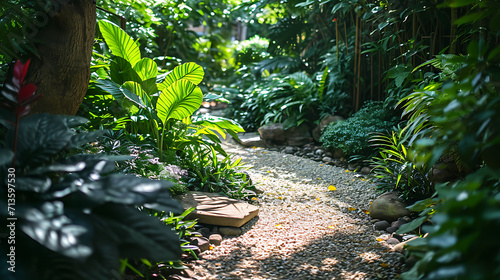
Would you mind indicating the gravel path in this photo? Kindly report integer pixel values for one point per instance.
(312, 225)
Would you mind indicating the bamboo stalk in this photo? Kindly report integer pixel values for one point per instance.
(358, 97)
(371, 68)
(414, 35)
(355, 63)
(337, 37)
(379, 74)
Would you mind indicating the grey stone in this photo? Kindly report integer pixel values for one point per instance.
(329, 154)
(319, 152)
(310, 155)
(374, 221)
(325, 121)
(308, 149)
(230, 231)
(249, 139)
(391, 229)
(298, 141)
(289, 150)
(327, 159)
(201, 242)
(298, 135)
(215, 239)
(204, 231)
(388, 207)
(392, 241)
(381, 225)
(365, 170)
(338, 153)
(272, 133)
(398, 223)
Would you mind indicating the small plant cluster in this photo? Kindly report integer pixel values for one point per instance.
(352, 135)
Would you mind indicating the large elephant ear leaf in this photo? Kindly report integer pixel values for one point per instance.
(120, 42)
(136, 94)
(179, 100)
(189, 71)
(146, 68)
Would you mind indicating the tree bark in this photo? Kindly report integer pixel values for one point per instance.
(62, 71)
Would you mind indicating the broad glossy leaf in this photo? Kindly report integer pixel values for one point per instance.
(130, 190)
(120, 42)
(40, 137)
(138, 94)
(189, 71)
(139, 235)
(146, 68)
(121, 71)
(411, 225)
(179, 100)
(50, 227)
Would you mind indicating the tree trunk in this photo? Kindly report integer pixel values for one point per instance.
(62, 72)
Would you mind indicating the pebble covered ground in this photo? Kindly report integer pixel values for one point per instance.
(312, 224)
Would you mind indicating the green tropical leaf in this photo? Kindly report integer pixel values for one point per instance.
(146, 68)
(120, 42)
(135, 88)
(189, 71)
(179, 100)
(121, 71)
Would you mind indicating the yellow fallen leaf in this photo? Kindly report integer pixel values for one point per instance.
(280, 197)
(254, 198)
(384, 265)
(317, 198)
(351, 208)
(347, 171)
(279, 226)
(331, 227)
(268, 171)
(321, 165)
(253, 147)
(380, 239)
(331, 188)
(211, 247)
(319, 178)
(366, 212)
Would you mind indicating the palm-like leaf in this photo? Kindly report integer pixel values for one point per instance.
(120, 42)
(179, 100)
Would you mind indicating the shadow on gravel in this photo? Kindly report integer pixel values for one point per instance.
(334, 256)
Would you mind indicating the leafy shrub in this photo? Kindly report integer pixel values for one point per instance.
(352, 135)
(290, 99)
(396, 169)
(73, 217)
(465, 113)
(462, 242)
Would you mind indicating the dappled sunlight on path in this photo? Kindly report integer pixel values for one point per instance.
(306, 229)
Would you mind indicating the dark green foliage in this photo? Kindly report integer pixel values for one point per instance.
(352, 135)
(462, 242)
(397, 170)
(70, 198)
(72, 218)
